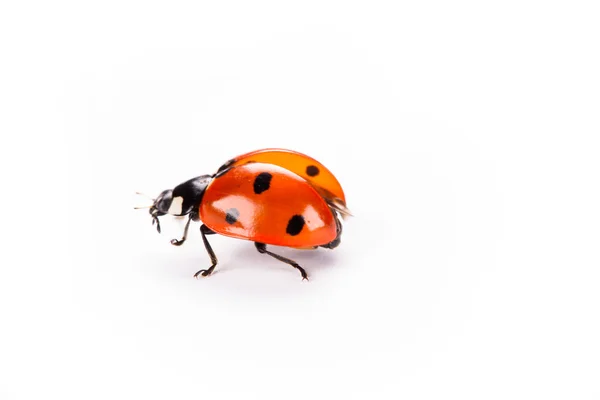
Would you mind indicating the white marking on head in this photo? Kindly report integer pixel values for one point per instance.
(176, 206)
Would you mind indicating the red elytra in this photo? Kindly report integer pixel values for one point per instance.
(268, 204)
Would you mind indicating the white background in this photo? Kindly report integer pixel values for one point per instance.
(464, 134)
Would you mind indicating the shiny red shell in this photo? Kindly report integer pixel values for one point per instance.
(269, 204)
(305, 166)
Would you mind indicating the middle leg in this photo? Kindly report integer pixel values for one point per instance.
(205, 230)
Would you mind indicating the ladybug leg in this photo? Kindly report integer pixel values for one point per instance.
(262, 248)
(335, 242)
(179, 242)
(204, 230)
(193, 216)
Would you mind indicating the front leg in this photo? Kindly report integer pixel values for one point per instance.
(179, 242)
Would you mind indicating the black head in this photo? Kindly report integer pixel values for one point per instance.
(182, 200)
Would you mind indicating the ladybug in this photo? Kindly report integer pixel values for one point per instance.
(269, 196)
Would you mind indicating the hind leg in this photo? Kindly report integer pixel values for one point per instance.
(335, 242)
(262, 248)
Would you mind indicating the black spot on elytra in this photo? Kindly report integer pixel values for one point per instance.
(262, 182)
(232, 216)
(312, 170)
(295, 225)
